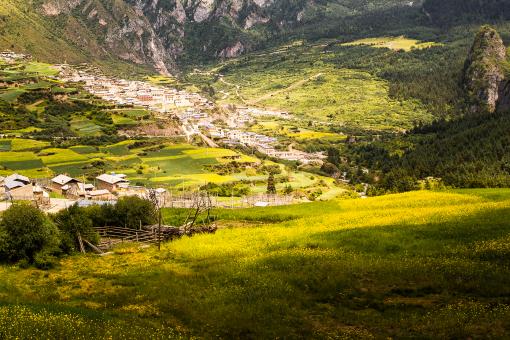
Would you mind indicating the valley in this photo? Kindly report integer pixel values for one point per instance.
(334, 169)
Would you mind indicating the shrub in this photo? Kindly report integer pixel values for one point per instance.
(26, 233)
(133, 210)
(71, 222)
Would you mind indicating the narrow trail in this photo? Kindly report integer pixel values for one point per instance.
(238, 87)
(290, 88)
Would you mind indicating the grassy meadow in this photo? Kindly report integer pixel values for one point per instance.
(393, 43)
(420, 264)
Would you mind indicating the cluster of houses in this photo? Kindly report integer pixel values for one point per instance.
(264, 144)
(293, 155)
(137, 93)
(11, 57)
(107, 188)
(191, 110)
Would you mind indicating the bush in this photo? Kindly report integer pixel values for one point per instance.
(131, 211)
(26, 233)
(71, 222)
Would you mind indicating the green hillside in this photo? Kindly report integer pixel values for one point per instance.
(422, 264)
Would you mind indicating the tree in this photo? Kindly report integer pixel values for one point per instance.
(74, 223)
(25, 233)
(271, 187)
(334, 156)
(132, 211)
(329, 168)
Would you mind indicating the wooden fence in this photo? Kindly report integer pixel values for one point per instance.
(111, 236)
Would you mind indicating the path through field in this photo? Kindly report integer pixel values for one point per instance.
(290, 88)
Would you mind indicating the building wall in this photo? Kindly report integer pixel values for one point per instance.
(23, 193)
(103, 185)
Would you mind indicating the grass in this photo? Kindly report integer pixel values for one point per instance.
(19, 144)
(393, 43)
(415, 265)
(42, 69)
(84, 149)
(55, 156)
(11, 94)
(5, 145)
(85, 127)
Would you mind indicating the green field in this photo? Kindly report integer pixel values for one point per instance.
(85, 127)
(414, 265)
(164, 164)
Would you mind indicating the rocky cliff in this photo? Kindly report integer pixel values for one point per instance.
(158, 32)
(164, 33)
(484, 72)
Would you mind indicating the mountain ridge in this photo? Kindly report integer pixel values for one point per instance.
(163, 34)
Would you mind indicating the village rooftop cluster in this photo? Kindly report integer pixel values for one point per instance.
(191, 109)
(62, 191)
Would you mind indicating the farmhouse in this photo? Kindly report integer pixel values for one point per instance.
(63, 184)
(17, 187)
(111, 182)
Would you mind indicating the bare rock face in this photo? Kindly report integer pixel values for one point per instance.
(483, 71)
(156, 32)
(57, 7)
(232, 51)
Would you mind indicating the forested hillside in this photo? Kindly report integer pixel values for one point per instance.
(470, 152)
(469, 147)
(451, 12)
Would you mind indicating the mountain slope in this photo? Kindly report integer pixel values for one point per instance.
(162, 33)
(451, 12)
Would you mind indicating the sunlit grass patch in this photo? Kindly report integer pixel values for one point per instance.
(56, 156)
(18, 144)
(393, 43)
(41, 68)
(320, 92)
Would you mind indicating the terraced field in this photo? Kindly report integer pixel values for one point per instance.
(164, 164)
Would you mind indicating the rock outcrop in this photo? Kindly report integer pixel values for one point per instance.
(158, 32)
(166, 33)
(484, 72)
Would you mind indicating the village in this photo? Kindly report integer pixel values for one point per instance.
(62, 191)
(193, 111)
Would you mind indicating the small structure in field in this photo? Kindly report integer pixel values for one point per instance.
(101, 195)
